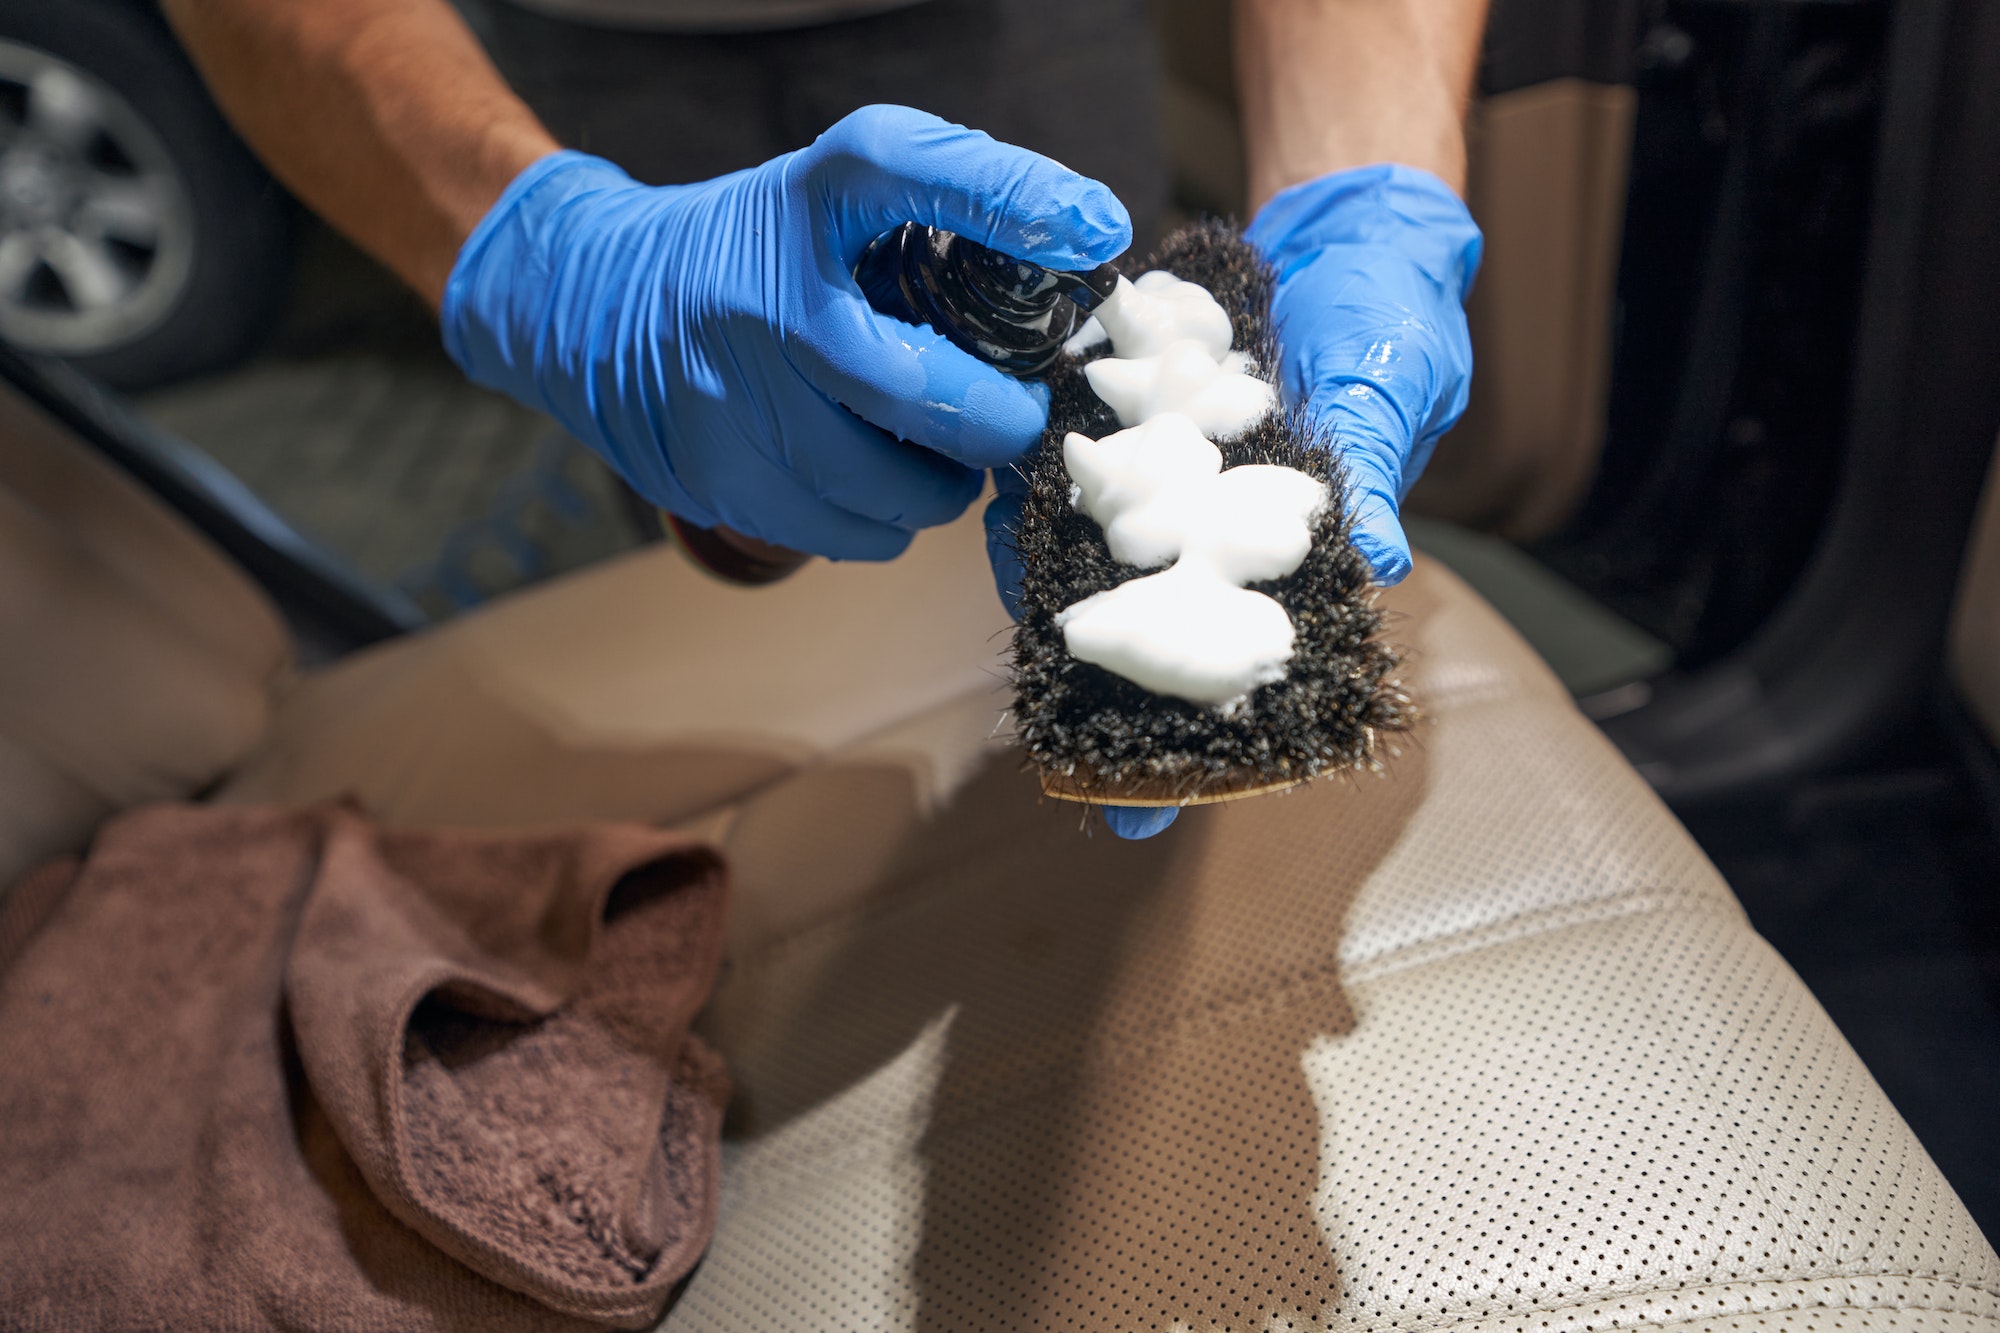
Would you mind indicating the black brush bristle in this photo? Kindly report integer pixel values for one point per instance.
(1097, 734)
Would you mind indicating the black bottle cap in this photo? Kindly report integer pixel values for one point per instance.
(1010, 313)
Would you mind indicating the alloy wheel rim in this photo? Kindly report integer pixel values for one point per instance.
(96, 228)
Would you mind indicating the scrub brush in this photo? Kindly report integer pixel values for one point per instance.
(1099, 738)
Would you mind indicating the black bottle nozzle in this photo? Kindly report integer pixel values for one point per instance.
(1011, 314)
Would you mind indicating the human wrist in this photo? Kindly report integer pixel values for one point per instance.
(1338, 84)
(503, 153)
(1431, 142)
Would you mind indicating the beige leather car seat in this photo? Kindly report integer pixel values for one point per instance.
(1481, 1042)
(136, 664)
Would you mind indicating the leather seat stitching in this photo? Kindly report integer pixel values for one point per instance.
(1525, 925)
(1641, 1293)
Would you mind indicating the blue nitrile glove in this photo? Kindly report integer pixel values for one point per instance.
(1373, 267)
(708, 341)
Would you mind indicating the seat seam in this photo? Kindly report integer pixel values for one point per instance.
(891, 901)
(1028, 1080)
(1276, 997)
(1525, 926)
(1815, 1305)
(1506, 930)
(1643, 1293)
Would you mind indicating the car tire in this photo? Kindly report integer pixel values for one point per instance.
(223, 233)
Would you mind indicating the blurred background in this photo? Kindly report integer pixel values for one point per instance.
(1738, 338)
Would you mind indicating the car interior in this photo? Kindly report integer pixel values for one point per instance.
(1655, 979)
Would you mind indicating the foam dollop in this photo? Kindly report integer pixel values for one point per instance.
(1181, 634)
(1170, 353)
(1143, 318)
(1162, 496)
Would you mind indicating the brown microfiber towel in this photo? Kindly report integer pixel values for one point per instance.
(285, 1069)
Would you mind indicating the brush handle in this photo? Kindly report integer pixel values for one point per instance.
(1005, 311)
(733, 557)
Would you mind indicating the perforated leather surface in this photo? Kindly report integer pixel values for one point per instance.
(1481, 1043)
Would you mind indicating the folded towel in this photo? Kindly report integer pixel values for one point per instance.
(286, 1069)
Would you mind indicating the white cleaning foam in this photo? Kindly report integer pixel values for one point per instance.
(1139, 483)
(1162, 496)
(1142, 318)
(1223, 400)
(1182, 633)
(1170, 353)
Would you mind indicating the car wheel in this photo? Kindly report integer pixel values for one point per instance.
(138, 236)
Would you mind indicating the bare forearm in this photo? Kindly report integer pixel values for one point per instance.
(1331, 84)
(384, 116)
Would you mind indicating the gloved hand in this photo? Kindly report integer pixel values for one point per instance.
(708, 341)
(1373, 266)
